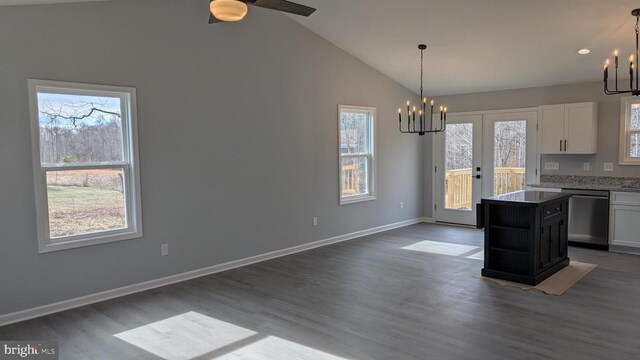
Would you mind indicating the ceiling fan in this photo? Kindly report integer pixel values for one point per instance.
(235, 10)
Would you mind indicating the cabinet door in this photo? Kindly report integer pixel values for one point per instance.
(625, 225)
(580, 128)
(551, 128)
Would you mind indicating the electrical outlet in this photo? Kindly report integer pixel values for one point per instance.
(608, 166)
(551, 166)
(401, 205)
(164, 249)
(315, 221)
(586, 166)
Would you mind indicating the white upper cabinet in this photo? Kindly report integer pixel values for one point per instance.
(551, 120)
(568, 128)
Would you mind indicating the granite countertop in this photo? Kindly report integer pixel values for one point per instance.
(620, 184)
(532, 197)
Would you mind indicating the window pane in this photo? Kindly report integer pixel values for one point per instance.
(85, 201)
(635, 117)
(510, 156)
(459, 159)
(79, 129)
(634, 145)
(354, 133)
(355, 176)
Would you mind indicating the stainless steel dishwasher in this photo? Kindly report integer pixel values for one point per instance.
(589, 218)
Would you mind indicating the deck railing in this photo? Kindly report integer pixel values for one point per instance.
(459, 185)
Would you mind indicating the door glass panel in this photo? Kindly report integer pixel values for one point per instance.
(458, 165)
(510, 156)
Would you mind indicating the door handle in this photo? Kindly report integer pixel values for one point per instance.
(560, 145)
(478, 176)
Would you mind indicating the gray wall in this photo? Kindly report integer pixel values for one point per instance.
(238, 139)
(608, 127)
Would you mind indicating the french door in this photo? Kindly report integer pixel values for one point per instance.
(481, 156)
(458, 169)
(509, 152)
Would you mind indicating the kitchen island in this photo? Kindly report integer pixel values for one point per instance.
(526, 235)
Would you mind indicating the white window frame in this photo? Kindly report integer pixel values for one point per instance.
(129, 166)
(625, 133)
(372, 114)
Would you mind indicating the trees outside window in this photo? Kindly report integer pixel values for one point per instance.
(356, 144)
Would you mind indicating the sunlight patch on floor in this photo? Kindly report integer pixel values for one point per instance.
(477, 256)
(273, 347)
(185, 336)
(442, 248)
(193, 336)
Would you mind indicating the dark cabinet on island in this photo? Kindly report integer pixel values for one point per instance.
(525, 236)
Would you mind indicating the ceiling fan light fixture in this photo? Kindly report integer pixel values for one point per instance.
(228, 10)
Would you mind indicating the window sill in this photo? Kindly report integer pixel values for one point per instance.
(58, 245)
(356, 199)
(628, 162)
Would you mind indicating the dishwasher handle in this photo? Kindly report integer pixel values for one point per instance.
(583, 196)
(587, 193)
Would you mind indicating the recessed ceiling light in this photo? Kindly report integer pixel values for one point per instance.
(583, 51)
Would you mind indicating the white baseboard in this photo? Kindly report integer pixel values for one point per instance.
(35, 312)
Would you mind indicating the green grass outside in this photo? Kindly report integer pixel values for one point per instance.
(78, 210)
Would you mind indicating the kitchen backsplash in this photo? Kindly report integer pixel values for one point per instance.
(590, 180)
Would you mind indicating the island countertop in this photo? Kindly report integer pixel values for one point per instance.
(528, 197)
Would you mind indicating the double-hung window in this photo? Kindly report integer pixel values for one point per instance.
(357, 156)
(85, 159)
(630, 131)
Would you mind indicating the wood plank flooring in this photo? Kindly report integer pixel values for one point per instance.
(363, 299)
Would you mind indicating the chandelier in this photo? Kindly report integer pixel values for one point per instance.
(633, 90)
(422, 113)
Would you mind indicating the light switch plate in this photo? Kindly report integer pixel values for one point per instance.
(608, 166)
(586, 166)
(551, 166)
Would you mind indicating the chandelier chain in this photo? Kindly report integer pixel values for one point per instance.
(422, 70)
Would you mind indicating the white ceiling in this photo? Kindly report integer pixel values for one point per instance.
(479, 45)
(474, 45)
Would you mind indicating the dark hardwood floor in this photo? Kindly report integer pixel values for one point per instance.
(363, 299)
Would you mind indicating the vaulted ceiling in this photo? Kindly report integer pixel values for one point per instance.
(479, 45)
(474, 45)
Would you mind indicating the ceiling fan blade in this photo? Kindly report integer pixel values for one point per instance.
(213, 19)
(284, 6)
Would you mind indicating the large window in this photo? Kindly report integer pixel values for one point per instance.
(357, 162)
(630, 131)
(85, 164)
